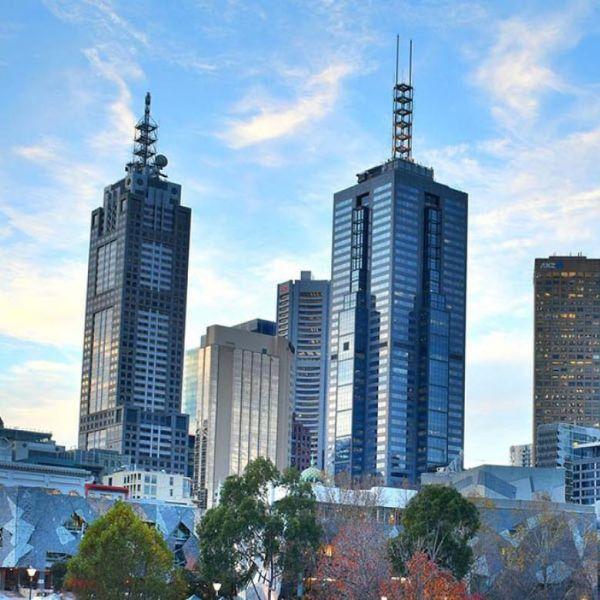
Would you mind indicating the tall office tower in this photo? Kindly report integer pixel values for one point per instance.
(566, 381)
(303, 318)
(135, 315)
(243, 405)
(520, 455)
(397, 337)
(191, 383)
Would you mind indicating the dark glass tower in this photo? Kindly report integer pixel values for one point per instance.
(566, 384)
(397, 350)
(135, 315)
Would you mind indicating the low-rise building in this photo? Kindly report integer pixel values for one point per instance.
(56, 479)
(39, 527)
(504, 482)
(555, 444)
(171, 488)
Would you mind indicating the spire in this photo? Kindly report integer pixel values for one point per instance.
(403, 111)
(144, 146)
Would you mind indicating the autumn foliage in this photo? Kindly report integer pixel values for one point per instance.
(425, 581)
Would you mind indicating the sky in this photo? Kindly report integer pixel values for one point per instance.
(265, 110)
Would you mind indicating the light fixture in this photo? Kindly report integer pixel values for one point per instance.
(216, 586)
(31, 572)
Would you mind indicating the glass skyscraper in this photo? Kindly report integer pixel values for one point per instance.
(135, 315)
(303, 318)
(397, 338)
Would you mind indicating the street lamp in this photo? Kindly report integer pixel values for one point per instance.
(31, 572)
(217, 587)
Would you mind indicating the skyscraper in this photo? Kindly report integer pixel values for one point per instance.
(243, 405)
(397, 338)
(303, 318)
(135, 314)
(566, 383)
(520, 455)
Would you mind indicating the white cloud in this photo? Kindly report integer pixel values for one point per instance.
(42, 301)
(315, 100)
(43, 395)
(518, 70)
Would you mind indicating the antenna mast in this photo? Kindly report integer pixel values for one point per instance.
(402, 111)
(144, 146)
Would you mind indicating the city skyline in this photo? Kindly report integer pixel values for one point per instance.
(489, 134)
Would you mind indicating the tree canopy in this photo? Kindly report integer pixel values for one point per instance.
(249, 535)
(122, 556)
(439, 522)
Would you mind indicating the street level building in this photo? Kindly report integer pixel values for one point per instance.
(566, 387)
(303, 318)
(243, 405)
(135, 315)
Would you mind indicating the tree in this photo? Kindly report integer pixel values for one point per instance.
(58, 571)
(439, 522)
(424, 580)
(121, 556)
(354, 565)
(250, 537)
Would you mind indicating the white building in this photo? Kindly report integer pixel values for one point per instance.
(170, 488)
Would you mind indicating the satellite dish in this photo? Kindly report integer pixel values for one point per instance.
(161, 161)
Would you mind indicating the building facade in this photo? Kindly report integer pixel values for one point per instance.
(135, 315)
(520, 455)
(566, 385)
(303, 318)
(152, 485)
(397, 338)
(243, 405)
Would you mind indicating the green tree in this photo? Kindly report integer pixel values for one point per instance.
(248, 536)
(121, 556)
(439, 522)
(59, 572)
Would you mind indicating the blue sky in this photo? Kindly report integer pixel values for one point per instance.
(266, 109)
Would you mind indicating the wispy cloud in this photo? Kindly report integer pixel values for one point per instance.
(518, 70)
(271, 119)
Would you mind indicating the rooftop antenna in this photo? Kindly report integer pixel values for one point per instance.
(144, 145)
(402, 111)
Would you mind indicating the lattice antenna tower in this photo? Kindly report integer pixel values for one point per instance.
(144, 145)
(403, 111)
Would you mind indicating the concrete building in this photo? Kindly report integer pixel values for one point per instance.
(40, 527)
(398, 284)
(192, 366)
(135, 315)
(35, 447)
(501, 481)
(520, 455)
(303, 318)
(58, 479)
(301, 452)
(556, 444)
(152, 485)
(566, 386)
(243, 405)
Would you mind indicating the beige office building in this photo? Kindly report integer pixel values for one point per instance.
(244, 405)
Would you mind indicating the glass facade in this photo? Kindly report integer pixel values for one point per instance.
(396, 382)
(303, 318)
(135, 322)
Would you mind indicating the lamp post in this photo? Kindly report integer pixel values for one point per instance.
(217, 587)
(31, 572)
